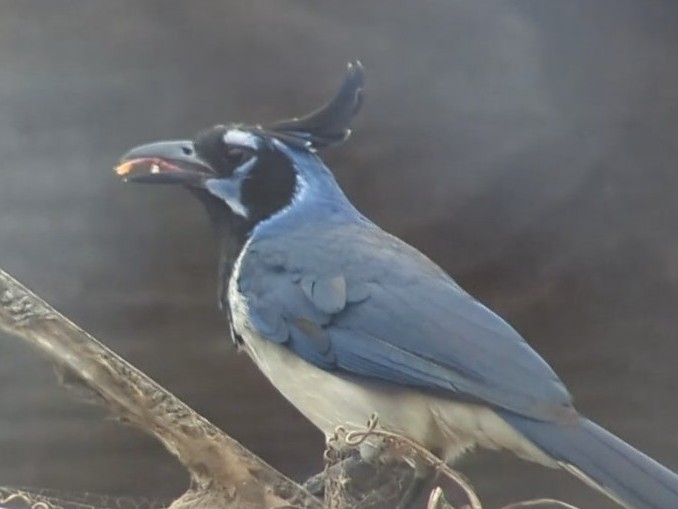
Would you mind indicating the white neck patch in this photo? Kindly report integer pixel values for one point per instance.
(241, 138)
(229, 189)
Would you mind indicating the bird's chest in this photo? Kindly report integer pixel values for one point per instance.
(326, 399)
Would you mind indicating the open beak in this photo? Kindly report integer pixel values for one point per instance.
(165, 162)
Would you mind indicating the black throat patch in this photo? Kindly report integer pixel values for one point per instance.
(268, 187)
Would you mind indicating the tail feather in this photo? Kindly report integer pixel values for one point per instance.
(596, 456)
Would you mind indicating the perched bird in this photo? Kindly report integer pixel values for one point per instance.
(347, 320)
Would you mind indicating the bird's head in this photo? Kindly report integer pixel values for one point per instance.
(249, 173)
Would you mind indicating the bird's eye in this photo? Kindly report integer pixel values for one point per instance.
(236, 156)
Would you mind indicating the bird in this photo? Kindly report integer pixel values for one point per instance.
(346, 320)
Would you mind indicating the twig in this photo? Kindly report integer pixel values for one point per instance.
(223, 473)
(28, 498)
(437, 500)
(550, 502)
(395, 445)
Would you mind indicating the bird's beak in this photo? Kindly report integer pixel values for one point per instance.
(165, 162)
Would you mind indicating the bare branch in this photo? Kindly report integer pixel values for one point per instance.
(541, 503)
(18, 498)
(220, 468)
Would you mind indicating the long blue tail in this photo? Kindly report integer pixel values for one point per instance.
(598, 457)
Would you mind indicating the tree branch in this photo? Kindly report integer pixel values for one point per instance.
(223, 473)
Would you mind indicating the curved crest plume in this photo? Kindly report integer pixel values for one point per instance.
(329, 124)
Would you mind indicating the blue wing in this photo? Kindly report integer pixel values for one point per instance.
(360, 301)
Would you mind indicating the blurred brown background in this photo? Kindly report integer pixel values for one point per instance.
(527, 146)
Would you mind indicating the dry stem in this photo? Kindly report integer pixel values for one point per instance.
(217, 464)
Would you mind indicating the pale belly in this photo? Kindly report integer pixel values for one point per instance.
(442, 425)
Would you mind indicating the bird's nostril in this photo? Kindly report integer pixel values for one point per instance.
(187, 150)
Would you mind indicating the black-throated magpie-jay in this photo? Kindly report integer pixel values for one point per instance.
(347, 320)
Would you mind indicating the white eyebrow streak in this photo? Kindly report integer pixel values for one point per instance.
(242, 138)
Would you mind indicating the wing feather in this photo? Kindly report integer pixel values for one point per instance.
(378, 308)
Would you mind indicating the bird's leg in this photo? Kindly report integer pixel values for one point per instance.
(374, 452)
(423, 475)
(315, 484)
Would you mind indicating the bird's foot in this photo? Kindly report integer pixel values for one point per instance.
(420, 481)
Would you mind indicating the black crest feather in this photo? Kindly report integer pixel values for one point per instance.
(329, 124)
